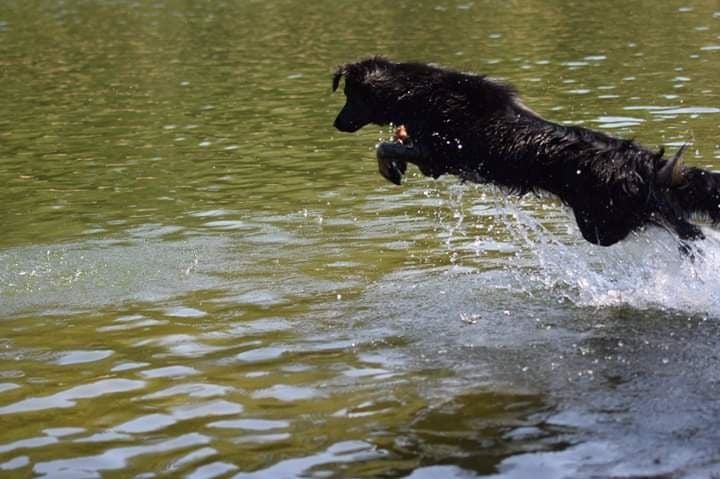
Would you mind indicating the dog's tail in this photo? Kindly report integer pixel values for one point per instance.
(697, 190)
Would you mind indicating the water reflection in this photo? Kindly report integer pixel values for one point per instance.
(67, 398)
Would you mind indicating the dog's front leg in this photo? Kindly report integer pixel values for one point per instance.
(393, 159)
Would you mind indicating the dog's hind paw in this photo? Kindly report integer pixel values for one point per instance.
(689, 231)
(691, 252)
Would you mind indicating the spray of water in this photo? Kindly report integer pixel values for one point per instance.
(646, 271)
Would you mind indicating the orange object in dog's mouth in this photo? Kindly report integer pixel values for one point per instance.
(401, 134)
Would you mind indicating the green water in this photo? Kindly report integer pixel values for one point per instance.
(200, 277)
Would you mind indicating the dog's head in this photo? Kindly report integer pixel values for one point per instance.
(366, 93)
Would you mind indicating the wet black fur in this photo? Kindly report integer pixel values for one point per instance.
(476, 128)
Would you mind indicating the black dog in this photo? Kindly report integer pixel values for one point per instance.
(476, 128)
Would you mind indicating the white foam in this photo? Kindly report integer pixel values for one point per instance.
(645, 271)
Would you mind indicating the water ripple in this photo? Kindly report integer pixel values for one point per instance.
(79, 357)
(114, 459)
(69, 397)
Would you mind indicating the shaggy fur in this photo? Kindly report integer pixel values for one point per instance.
(476, 128)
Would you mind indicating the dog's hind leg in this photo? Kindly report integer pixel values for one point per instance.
(700, 193)
(688, 231)
(669, 214)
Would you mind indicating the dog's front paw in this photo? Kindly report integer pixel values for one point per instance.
(391, 160)
(392, 169)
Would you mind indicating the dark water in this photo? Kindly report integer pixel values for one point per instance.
(200, 278)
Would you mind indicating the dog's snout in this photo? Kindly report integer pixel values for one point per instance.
(353, 116)
(342, 123)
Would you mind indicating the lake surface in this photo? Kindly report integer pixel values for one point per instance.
(200, 277)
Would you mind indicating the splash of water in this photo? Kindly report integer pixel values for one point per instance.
(646, 271)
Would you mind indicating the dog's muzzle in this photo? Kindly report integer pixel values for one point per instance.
(345, 125)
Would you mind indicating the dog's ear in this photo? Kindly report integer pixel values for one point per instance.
(339, 73)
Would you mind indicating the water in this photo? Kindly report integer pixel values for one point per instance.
(200, 278)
